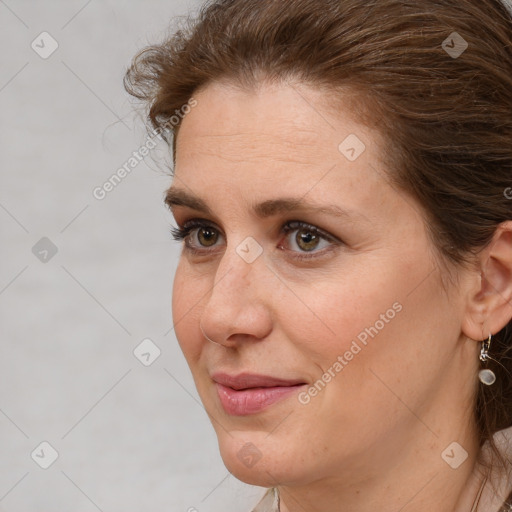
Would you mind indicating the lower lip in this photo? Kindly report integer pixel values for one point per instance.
(251, 401)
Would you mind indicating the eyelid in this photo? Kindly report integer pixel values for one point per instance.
(292, 225)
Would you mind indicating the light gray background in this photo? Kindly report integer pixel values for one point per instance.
(129, 437)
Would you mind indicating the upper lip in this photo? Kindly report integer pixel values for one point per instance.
(252, 380)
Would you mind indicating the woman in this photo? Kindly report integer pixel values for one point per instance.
(342, 185)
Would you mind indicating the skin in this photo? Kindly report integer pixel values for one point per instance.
(372, 439)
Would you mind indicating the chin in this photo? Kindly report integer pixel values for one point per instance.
(255, 461)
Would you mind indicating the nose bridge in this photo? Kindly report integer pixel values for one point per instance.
(232, 283)
(232, 278)
(235, 304)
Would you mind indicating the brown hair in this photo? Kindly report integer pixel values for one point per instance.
(447, 118)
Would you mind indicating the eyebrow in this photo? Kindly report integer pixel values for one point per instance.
(179, 197)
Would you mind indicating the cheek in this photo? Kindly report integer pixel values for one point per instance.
(386, 336)
(371, 321)
(186, 302)
(353, 308)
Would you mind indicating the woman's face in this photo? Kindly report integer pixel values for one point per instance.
(308, 267)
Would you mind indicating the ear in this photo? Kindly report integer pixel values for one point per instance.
(489, 306)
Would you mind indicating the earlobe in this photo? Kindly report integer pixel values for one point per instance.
(490, 304)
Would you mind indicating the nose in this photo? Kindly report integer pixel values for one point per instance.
(237, 309)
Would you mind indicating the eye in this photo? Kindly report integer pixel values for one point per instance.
(206, 234)
(308, 239)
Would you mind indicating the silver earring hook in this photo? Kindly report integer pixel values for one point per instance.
(484, 351)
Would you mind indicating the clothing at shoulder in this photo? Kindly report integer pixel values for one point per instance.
(497, 494)
(269, 502)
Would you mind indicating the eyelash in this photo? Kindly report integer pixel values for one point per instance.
(181, 233)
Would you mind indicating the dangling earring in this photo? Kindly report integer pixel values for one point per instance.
(486, 376)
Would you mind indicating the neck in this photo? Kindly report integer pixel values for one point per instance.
(410, 476)
(470, 500)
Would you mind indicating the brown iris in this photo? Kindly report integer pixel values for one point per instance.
(306, 239)
(207, 236)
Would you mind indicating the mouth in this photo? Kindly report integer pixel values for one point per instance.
(246, 394)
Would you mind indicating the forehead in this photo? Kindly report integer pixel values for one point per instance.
(279, 122)
(277, 141)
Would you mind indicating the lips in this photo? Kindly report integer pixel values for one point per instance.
(250, 380)
(250, 393)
